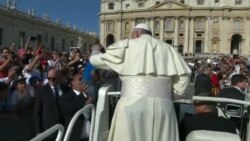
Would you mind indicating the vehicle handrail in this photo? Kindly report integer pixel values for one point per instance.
(220, 99)
(102, 111)
(49, 132)
(114, 93)
(76, 116)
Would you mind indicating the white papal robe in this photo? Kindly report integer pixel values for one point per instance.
(151, 71)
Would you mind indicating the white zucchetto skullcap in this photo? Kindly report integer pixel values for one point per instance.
(143, 26)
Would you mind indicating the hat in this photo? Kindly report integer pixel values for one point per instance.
(44, 62)
(34, 79)
(143, 26)
(19, 78)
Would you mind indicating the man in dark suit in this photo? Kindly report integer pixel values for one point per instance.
(71, 103)
(206, 119)
(202, 82)
(47, 110)
(238, 83)
(74, 100)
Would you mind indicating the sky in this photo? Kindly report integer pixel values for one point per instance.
(83, 13)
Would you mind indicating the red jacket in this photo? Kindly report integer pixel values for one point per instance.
(215, 84)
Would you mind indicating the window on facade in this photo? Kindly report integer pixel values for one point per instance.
(182, 1)
(157, 2)
(39, 38)
(157, 25)
(52, 43)
(126, 26)
(85, 48)
(238, 1)
(63, 44)
(200, 2)
(237, 24)
(141, 4)
(110, 26)
(1, 36)
(180, 49)
(199, 24)
(21, 39)
(182, 25)
(127, 6)
(169, 25)
(111, 6)
(216, 1)
(139, 20)
(169, 41)
(46, 37)
(199, 35)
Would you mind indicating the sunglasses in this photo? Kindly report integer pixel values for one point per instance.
(52, 78)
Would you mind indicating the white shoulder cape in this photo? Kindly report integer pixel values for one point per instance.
(142, 56)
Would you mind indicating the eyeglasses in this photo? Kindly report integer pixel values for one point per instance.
(52, 78)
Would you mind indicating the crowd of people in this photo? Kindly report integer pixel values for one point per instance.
(216, 74)
(55, 84)
(222, 76)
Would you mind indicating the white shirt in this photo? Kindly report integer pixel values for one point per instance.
(59, 90)
(33, 72)
(5, 79)
(77, 93)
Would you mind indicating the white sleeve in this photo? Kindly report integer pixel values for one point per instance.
(97, 61)
(4, 80)
(180, 84)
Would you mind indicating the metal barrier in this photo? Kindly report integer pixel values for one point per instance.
(102, 112)
(49, 132)
(76, 116)
(222, 100)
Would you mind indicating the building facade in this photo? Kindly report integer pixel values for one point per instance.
(17, 26)
(191, 26)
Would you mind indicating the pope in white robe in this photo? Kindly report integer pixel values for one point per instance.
(151, 72)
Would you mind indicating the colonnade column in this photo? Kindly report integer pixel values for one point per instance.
(186, 35)
(161, 28)
(191, 33)
(176, 32)
(151, 24)
(102, 33)
(118, 30)
(206, 47)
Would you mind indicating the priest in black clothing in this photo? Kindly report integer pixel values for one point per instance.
(206, 119)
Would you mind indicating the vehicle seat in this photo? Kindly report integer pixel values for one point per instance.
(205, 135)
